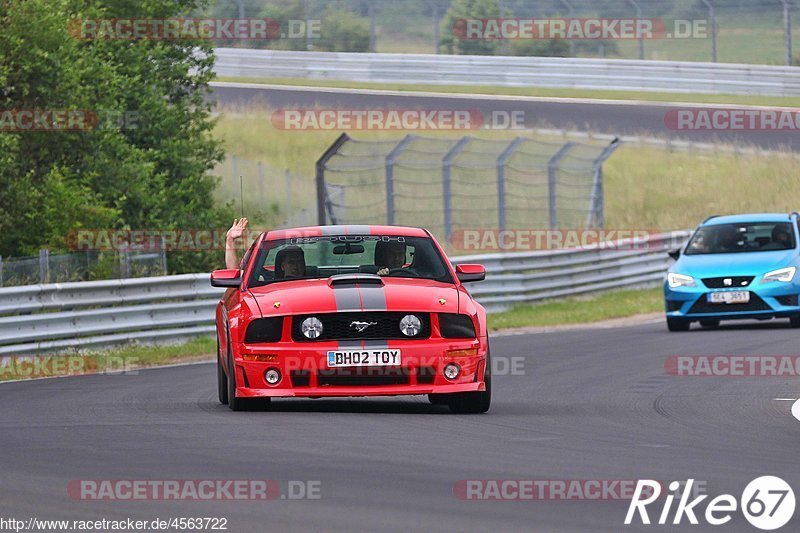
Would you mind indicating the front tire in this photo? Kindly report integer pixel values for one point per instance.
(677, 324)
(222, 380)
(236, 404)
(474, 402)
(794, 321)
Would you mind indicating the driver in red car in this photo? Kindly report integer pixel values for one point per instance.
(389, 255)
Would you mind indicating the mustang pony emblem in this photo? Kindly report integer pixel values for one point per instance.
(361, 326)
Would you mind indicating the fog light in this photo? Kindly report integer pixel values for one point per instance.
(452, 371)
(272, 376)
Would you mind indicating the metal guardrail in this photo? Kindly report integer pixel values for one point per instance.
(63, 317)
(575, 73)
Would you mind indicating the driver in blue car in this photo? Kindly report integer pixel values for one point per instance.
(389, 255)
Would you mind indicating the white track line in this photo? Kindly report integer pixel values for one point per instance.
(796, 410)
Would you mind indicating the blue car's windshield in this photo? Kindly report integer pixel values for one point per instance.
(742, 237)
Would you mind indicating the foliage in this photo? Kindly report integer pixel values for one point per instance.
(151, 171)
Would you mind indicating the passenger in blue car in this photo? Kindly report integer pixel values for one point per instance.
(781, 240)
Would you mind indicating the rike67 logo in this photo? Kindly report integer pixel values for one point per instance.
(767, 502)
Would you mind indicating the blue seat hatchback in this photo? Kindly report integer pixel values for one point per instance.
(735, 267)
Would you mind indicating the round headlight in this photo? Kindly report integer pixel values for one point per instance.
(311, 327)
(410, 325)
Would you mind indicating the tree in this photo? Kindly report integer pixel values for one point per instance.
(150, 172)
(452, 26)
(343, 31)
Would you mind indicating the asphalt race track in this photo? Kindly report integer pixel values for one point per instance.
(587, 404)
(580, 115)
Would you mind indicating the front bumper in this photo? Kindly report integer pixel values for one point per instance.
(305, 373)
(767, 300)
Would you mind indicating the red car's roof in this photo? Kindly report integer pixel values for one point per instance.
(348, 229)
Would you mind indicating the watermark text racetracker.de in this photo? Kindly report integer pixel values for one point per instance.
(732, 119)
(151, 240)
(544, 489)
(193, 489)
(57, 365)
(63, 120)
(579, 29)
(391, 119)
(501, 365)
(733, 366)
(519, 240)
(175, 29)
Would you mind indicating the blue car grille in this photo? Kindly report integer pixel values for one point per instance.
(735, 281)
(702, 305)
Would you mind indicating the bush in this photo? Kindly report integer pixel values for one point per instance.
(153, 173)
(342, 31)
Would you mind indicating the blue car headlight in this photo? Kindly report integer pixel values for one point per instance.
(679, 280)
(782, 274)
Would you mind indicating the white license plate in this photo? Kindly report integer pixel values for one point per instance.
(729, 297)
(363, 358)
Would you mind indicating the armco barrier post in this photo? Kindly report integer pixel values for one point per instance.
(502, 159)
(390, 159)
(322, 199)
(447, 195)
(552, 196)
(596, 203)
(44, 266)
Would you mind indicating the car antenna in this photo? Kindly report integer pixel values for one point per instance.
(241, 193)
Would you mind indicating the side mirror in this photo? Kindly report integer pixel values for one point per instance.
(675, 254)
(230, 277)
(470, 272)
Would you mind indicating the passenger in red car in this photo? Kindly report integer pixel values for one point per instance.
(234, 234)
(389, 255)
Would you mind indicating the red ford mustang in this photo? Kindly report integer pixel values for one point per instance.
(351, 311)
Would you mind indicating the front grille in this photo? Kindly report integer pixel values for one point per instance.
(336, 326)
(704, 306)
(789, 300)
(363, 376)
(719, 283)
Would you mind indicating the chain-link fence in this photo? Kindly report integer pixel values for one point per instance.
(266, 194)
(80, 266)
(447, 185)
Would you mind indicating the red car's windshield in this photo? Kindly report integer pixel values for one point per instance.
(325, 256)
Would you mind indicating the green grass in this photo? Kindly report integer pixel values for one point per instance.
(780, 101)
(580, 310)
(123, 359)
